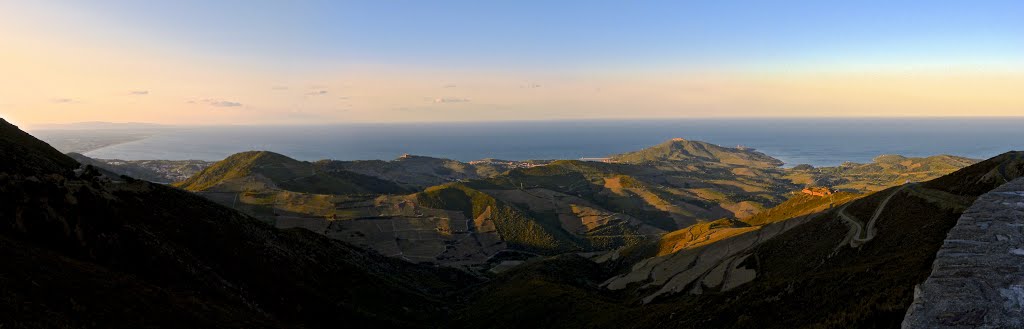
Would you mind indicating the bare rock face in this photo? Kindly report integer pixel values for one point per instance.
(977, 280)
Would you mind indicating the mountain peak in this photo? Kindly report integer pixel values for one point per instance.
(245, 164)
(683, 150)
(260, 157)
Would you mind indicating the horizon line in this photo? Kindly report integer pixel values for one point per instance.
(69, 125)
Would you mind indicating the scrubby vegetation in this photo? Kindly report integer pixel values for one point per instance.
(798, 205)
(517, 229)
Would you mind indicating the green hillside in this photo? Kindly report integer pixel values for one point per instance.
(516, 228)
(234, 172)
(883, 172)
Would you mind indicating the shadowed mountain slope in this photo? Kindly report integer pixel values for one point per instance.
(84, 250)
(22, 153)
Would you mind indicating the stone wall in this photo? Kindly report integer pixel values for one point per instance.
(977, 280)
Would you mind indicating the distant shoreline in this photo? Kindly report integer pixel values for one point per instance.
(818, 142)
(82, 141)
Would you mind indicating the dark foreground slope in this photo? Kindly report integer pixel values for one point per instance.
(825, 273)
(82, 251)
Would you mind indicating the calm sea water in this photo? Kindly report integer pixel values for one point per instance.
(818, 142)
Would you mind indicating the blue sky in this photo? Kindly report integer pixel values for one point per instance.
(553, 34)
(576, 45)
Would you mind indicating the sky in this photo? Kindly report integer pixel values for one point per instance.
(303, 62)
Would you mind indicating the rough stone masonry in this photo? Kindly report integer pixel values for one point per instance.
(977, 280)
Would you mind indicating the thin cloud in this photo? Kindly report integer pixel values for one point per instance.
(279, 88)
(317, 93)
(139, 92)
(451, 100)
(450, 86)
(216, 102)
(225, 104)
(62, 100)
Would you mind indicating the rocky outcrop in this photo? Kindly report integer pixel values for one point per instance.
(977, 280)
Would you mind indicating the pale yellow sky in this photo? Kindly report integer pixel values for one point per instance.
(53, 75)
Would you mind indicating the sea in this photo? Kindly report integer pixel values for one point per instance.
(818, 142)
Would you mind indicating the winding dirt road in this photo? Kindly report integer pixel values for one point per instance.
(863, 233)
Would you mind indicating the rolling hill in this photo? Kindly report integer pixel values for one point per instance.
(240, 171)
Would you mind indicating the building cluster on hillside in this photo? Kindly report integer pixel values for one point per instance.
(817, 191)
(172, 170)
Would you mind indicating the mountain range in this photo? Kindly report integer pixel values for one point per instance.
(493, 214)
(683, 234)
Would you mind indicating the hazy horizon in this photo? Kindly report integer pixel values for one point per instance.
(816, 141)
(115, 124)
(231, 62)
